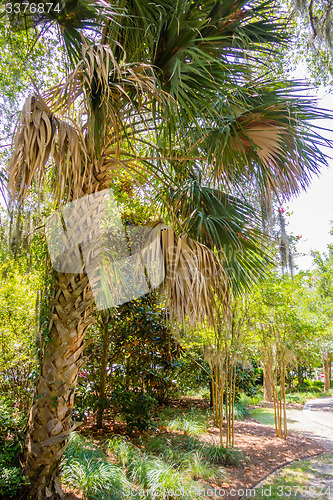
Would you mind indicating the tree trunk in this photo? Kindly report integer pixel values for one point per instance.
(102, 386)
(327, 371)
(49, 424)
(72, 305)
(268, 395)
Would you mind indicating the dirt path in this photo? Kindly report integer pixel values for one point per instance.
(312, 477)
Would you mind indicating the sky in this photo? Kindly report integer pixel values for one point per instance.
(312, 211)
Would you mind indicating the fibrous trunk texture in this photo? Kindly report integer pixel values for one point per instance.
(50, 423)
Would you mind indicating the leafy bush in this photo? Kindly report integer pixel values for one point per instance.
(306, 383)
(136, 407)
(253, 401)
(300, 397)
(247, 379)
(11, 445)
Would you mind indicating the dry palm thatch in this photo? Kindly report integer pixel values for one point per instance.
(106, 87)
(267, 141)
(196, 280)
(98, 88)
(42, 135)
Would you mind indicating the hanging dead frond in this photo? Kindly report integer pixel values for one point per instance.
(105, 88)
(195, 279)
(32, 145)
(41, 136)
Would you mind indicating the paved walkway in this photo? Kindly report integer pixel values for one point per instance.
(310, 478)
(315, 421)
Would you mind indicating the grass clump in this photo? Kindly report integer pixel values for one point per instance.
(241, 412)
(192, 423)
(146, 474)
(197, 468)
(219, 455)
(167, 466)
(120, 448)
(87, 469)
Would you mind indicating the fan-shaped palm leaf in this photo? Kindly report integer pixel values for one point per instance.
(226, 224)
(267, 138)
(75, 20)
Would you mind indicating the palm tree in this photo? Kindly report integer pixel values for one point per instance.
(165, 92)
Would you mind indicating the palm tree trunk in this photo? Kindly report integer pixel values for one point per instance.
(49, 424)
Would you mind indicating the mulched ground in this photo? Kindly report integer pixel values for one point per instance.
(264, 451)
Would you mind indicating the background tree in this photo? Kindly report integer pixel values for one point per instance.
(287, 334)
(310, 23)
(321, 281)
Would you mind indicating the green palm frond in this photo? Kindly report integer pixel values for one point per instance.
(75, 20)
(266, 137)
(225, 224)
(202, 54)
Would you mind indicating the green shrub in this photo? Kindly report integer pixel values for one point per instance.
(306, 383)
(11, 480)
(300, 397)
(247, 379)
(251, 401)
(11, 446)
(136, 407)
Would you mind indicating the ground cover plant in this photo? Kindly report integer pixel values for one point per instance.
(11, 445)
(174, 459)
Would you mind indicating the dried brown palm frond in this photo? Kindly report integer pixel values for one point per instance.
(105, 87)
(268, 141)
(195, 278)
(41, 136)
(266, 145)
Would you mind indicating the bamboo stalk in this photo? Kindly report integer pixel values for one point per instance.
(233, 406)
(221, 409)
(283, 390)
